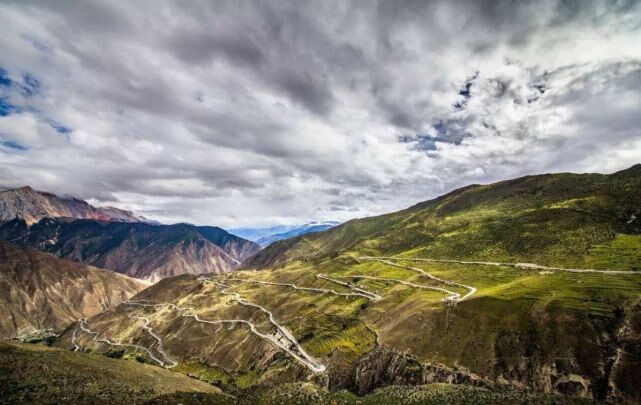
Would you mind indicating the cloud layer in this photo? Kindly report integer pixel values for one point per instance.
(258, 113)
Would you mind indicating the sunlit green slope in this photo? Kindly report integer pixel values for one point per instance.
(555, 219)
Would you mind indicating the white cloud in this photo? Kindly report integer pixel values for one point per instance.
(267, 112)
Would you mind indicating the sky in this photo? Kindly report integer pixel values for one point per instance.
(256, 113)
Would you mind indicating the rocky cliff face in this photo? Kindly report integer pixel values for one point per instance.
(40, 291)
(382, 367)
(149, 252)
(32, 206)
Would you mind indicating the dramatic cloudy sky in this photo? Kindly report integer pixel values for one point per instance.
(241, 113)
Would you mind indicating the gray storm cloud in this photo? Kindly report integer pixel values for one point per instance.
(258, 113)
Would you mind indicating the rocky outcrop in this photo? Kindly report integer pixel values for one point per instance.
(382, 367)
(624, 379)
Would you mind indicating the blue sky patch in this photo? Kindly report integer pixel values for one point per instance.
(30, 85)
(13, 145)
(39, 45)
(7, 108)
(61, 129)
(423, 142)
(4, 78)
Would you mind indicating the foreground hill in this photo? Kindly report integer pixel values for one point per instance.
(40, 291)
(530, 284)
(149, 252)
(40, 374)
(32, 206)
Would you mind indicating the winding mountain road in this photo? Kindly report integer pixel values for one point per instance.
(451, 295)
(523, 266)
(311, 289)
(82, 325)
(159, 347)
(364, 293)
(275, 340)
(74, 337)
(453, 298)
(291, 345)
(282, 338)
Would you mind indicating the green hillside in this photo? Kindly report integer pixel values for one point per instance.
(555, 219)
(40, 374)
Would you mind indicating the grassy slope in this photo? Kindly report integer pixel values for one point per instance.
(40, 374)
(519, 322)
(550, 219)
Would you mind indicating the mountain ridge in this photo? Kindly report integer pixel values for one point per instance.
(265, 236)
(606, 191)
(145, 251)
(32, 206)
(311, 227)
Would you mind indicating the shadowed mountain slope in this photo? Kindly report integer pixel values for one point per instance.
(140, 250)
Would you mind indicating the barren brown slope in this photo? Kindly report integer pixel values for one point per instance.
(144, 251)
(40, 291)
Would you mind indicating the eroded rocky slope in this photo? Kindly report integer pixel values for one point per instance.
(140, 250)
(40, 291)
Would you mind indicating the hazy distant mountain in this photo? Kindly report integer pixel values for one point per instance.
(32, 205)
(40, 291)
(254, 234)
(265, 236)
(140, 250)
(312, 227)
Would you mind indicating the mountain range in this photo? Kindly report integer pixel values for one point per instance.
(266, 236)
(530, 284)
(494, 292)
(115, 239)
(312, 227)
(140, 250)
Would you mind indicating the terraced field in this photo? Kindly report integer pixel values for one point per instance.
(332, 319)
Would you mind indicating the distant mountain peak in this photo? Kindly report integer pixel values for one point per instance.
(310, 227)
(32, 205)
